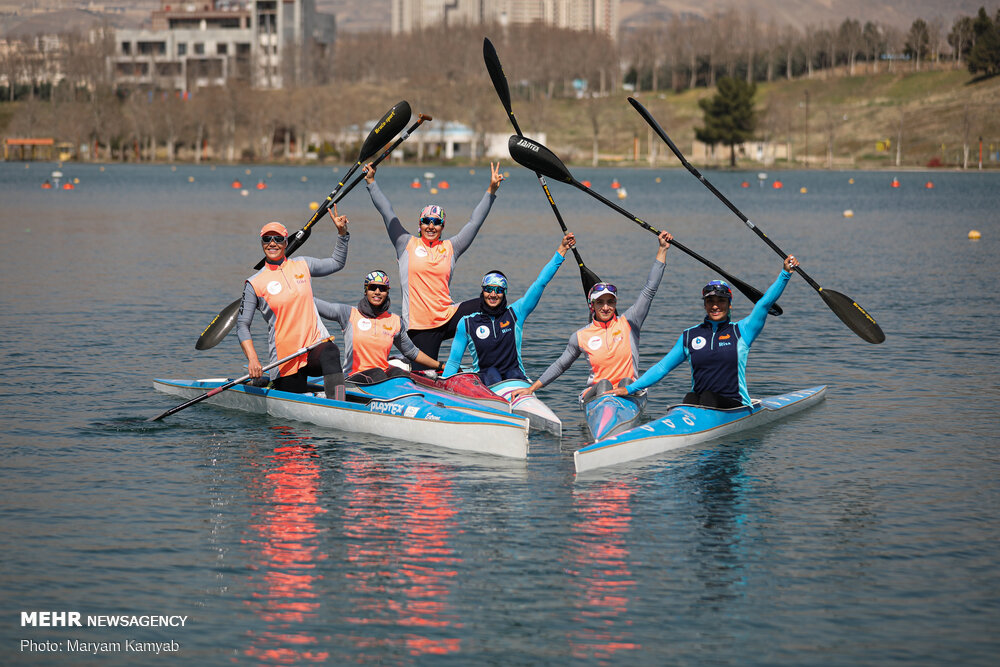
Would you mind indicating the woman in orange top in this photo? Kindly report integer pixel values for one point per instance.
(282, 292)
(426, 264)
(610, 341)
(370, 331)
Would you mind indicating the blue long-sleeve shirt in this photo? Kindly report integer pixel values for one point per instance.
(496, 341)
(717, 351)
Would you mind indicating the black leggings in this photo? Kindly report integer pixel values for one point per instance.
(322, 360)
(710, 399)
(429, 341)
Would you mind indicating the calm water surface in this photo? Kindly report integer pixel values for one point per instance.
(863, 531)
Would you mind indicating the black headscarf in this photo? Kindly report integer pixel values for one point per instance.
(493, 312)
(369, 310)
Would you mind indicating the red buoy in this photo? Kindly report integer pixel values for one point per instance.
(615, 184)
(237, 185)
(929, 185)
(261, 185)
(895, 183)
(777, 185)
(415, 184)
(585, 183)
(744, 184)
(444, 185)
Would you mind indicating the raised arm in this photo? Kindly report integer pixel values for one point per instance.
(334, 263)
(636, 314)
(527, 303)
(751, 325)
(397, 233)
(461, 241)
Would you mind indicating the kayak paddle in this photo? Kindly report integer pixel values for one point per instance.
(221, 388)
(493, 66)
(533, 155)
(847, 309)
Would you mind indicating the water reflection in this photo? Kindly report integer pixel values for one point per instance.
(401, 568)
(286, 535)
(599, 569)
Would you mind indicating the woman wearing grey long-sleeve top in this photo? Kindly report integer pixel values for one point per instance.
(426, 264)
(282, 292)
(610, 341)
(370, 330)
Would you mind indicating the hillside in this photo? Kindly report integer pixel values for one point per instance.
(939, 111)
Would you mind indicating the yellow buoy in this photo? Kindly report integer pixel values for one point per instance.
(472, 172)
(658, 179)
(313, 205)
(174, 168)
(851, 181)
(848, 213)
(190, 179)
(434, 191)
(76, 181)
(803, 190)
(247, 172)
(304, 179)
(974, 235)
(506, 174)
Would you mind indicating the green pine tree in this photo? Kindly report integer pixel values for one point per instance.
(729, 115)
(985, 54)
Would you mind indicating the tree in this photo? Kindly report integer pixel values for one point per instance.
(918, 41)
(729, 115)
(961, 37)
(985, 54)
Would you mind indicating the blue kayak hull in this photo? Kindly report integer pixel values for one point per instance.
(609, 415)
(409, 416)
(685, 425)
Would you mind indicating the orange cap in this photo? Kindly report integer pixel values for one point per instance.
(274, 227)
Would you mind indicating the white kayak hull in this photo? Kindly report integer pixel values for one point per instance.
(540, 417)
(408, 417)
(686, 425)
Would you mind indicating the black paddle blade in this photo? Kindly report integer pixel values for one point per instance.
(854, 316)
(588, 277)
(536, 157)
(391, 124)
(495, 69)
(219, 327)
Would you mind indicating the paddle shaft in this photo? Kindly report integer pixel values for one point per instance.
(849, 311)
(746, 289)
(495, 69)
(221, 388)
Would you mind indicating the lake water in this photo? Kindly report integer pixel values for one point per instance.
(862, 531)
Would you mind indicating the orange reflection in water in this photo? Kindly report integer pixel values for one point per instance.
(599, 563)
(403, 565)
(287, 538)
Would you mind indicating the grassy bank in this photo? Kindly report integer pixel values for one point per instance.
(930, 114)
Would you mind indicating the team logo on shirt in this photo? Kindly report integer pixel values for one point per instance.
(364, 324)
(420, 251)
(726, 337)
(698, 343)
(274, 287)
(594, 343)
(482, 331)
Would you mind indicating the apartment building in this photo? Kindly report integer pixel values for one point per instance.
(585, 15)
(191, 45)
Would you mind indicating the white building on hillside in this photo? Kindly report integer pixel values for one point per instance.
(584, 15)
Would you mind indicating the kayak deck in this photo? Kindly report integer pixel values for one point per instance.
(540, 416)
(685, 425)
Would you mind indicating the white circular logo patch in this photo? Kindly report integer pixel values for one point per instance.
(364, 324)
(420, 251)
(274, 287)
(482, 332)
(594, 343)
(698, 343)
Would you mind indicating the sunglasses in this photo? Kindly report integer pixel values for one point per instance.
(378, 288)
(268, 238)
(437, 222)
(494, 289)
